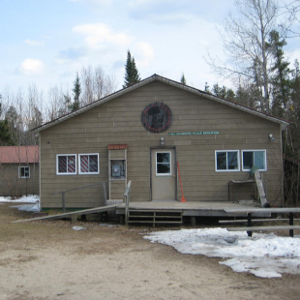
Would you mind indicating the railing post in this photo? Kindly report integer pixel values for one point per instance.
(127, 200)
(63, 202)
(126, 210)
(104, 192)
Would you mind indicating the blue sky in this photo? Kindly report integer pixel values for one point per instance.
(47, 42)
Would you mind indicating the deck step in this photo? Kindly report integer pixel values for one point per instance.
(154, 216)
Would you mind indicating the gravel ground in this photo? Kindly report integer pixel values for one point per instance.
(50, 260)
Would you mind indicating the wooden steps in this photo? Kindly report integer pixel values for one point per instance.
(149, 216)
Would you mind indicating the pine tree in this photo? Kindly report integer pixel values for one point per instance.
(280, 79)
(132, 75)
(5, 134)
(206, 88)
(182, 80)
(77, 91)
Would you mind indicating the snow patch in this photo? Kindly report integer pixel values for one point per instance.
(34, 199)
(263, 255)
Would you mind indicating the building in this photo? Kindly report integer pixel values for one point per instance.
(19, 170)
(144, 132)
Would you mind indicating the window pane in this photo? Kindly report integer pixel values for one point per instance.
(84, 163)
(71, 164)
(163, 169)
(221, 161)
(163, 157)
(62, 164)
(232, 161)
(247, 160)
(26, 172)
(259, 159)
(93, 163)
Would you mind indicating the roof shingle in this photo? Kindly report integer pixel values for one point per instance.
(19, 154)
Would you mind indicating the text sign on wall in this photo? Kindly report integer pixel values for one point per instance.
(195, 133)
(157, 117)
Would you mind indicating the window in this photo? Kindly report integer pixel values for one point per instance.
(89, 163)
(255, 158)
(24, 172)
(227, 161)
(163, 163)
(66, 164)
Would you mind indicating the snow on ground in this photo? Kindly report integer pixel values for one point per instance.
(34, 199)
(264, 255)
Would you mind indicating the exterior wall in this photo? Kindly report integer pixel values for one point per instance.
(119, 122)
(12, 185)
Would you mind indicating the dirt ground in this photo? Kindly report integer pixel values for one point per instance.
(50, 260)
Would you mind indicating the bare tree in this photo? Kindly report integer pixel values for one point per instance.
(57, 105)
(245, 38)
(95, 84)
(292, 10)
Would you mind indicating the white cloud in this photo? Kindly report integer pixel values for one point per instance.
(97, 34)
(34, 43)
(144, 53)
(31, 66)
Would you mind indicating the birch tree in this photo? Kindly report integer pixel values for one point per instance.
(244, 39)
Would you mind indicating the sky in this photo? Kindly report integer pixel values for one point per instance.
(46, 42)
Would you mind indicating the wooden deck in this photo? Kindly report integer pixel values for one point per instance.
(194, 209)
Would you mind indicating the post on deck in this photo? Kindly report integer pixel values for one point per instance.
(249, 223)
(63, 202)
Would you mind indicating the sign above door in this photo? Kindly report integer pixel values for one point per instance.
(157, 117)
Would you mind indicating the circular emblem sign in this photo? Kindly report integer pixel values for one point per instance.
(157, 117)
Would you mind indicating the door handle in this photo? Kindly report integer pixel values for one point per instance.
(174, 176)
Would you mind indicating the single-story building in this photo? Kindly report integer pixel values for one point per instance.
(146, 133)
(19, 170)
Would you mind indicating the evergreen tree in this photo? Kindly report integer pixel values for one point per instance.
(182, 80)
(77, 91)
(292, 137)
(5, 134)
(280, 80)
(223, 92)
(132, 75)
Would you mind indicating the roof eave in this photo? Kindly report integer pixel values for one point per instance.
(283, 124)
(94, 104)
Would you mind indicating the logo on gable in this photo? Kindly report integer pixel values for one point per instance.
(157, 117)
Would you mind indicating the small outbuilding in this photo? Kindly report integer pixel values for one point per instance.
(19, 170)
(146, 133)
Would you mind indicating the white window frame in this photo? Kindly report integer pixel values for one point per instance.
(227, 170)
(19, 171)
(254, 150)
(79, 164)
(65, 173)
(163, 174)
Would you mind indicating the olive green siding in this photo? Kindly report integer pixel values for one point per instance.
(119, 122)
(12, 185)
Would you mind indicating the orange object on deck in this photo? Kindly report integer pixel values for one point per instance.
(182, 198)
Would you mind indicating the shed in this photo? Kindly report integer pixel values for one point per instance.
(144, 132)
(19, 170)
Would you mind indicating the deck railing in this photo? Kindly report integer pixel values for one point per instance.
(83, 187)
(127, 200)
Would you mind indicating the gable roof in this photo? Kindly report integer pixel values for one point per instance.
(19, 154)
(152, 78)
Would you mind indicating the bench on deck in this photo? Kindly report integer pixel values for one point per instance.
(249, 228)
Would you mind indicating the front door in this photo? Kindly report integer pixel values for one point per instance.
(163, 178)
